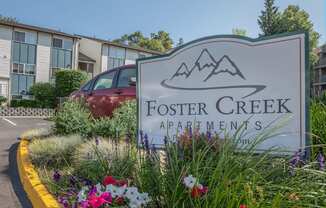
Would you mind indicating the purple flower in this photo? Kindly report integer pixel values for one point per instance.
(87, 182)
(92, 191)
(72, 180)
(190, 132)
(56, 176)
(97, 141)
(209, 135)
(321, 161)
(84, 204)
(63, 201)
(146, 142)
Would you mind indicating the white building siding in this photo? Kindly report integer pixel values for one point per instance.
(4, 87)
(131, 56)
(105, 54)
(43, 57)
(5, 51)
(92, 49)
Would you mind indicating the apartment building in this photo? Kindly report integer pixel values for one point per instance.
(101, 55)
(30, 54)
(319, 79)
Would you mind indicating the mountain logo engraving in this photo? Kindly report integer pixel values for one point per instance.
(206, 72)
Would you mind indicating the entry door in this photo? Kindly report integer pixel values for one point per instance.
(103, 98)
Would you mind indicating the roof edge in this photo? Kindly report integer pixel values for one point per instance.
(37, 28)
(120, 45)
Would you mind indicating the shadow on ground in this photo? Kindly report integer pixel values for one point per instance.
(12, 173)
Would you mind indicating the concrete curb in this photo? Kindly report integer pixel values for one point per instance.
(36, 191)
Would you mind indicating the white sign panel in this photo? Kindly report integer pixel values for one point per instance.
(222, 83)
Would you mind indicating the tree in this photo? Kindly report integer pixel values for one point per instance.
(160, 41)
(8, 19)
(294, 19)
(238, 31)
(269, 20)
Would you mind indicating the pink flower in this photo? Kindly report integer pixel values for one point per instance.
(243, 206)
(97, 201)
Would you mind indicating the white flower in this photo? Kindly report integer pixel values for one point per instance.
(145, 197)
(189, 181)
(115, 191)
(99, 188)
(131, 193)
(82, 196)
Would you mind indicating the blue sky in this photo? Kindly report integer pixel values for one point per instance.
(189, 19)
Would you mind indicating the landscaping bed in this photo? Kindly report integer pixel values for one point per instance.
(85, 162)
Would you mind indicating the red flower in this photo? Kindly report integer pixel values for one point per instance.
(198, 191)
(97, 201)
(195, 192)
(119, 201)
(109, 180)
(243, 206)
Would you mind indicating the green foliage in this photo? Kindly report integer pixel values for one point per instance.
(232, 178)
(238, 31)
(269, 20)
(44, 94)
(25, 103)
(124, 119)
(67, 81)
(73, 118)
(292, 19)
(122, 123)
(96, 159)
(2, 100)
(318, 126)
(53, 152)
(160, 41)
(103, 127)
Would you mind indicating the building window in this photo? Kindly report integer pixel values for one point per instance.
(61, 55)
(23, 64)
(87, 67)
(117, 57)
(19, 36)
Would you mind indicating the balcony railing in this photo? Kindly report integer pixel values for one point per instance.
(4, 90)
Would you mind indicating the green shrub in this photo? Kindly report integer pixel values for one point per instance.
(36, 133)
(2, 100)
(124, 120)
(96, 159)
(73, 118)
(54, 151)
(25, 103)
(103, 127)
(122, 123)
(67, 81)
(44, 94)
(318, 126)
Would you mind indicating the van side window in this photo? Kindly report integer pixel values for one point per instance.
(125, 76)
(105, 81)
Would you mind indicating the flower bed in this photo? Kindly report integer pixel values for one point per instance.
(197, 170)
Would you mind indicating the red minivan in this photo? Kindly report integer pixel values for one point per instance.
(107, 90)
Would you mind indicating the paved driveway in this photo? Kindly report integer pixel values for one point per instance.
(11, 193)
